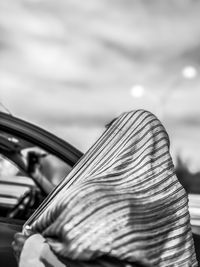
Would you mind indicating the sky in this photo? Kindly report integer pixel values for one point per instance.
(71, 66)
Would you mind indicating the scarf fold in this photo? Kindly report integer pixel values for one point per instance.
(122, 200)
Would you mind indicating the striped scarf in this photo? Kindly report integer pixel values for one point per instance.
(122, 200)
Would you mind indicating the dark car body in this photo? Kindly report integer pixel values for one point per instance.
(17, 136)
(7, 230)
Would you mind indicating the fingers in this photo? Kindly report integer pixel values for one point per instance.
(19, 238)
(18, 243)
(27, 231)
(16, 251)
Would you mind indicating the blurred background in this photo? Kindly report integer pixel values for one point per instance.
(71, 66)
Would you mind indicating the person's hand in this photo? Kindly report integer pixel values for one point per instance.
(18, 243)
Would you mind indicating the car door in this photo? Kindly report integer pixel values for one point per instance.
(20, 141)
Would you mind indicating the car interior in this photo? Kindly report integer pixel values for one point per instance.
(20, 192)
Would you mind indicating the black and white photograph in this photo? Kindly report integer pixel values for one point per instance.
(100, 133)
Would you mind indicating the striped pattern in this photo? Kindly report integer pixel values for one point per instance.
(122, 200)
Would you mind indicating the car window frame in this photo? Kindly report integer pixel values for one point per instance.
(40, 137)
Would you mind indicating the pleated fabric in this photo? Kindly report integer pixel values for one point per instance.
(122, 200)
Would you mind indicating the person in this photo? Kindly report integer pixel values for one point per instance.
(122, 204)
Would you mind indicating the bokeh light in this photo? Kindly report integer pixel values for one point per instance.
(137, 91)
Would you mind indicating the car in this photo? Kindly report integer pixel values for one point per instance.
(25, 148)
(22, 146)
